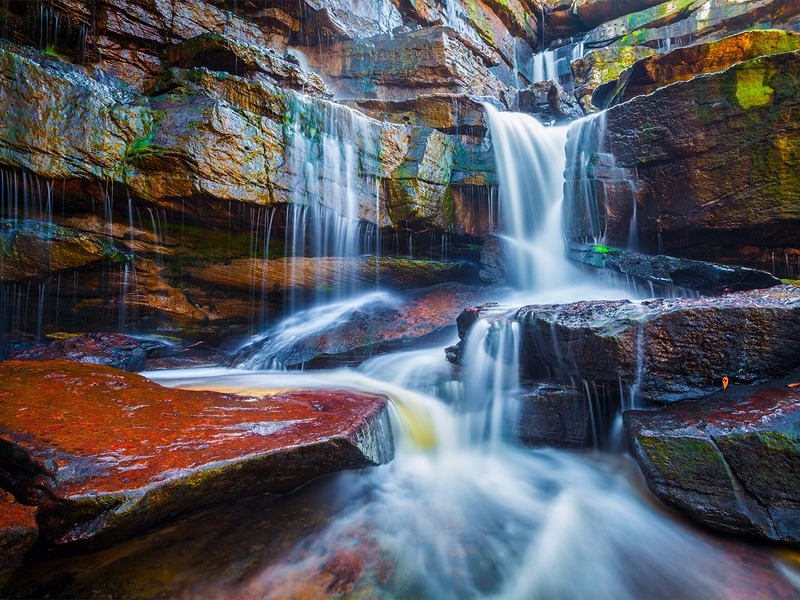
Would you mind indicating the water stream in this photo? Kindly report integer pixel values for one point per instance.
(463, 511)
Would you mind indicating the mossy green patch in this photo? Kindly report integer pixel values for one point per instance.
(752, 86)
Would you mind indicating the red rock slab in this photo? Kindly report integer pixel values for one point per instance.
(18, 532)
(106, 454)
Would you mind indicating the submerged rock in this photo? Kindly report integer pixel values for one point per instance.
(704, 277)
(731, 462)
(670, 350)
(18, 532)
(106, 454)
(110, 349)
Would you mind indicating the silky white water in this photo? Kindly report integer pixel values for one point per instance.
(463, 511)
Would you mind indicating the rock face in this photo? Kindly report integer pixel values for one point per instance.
(316, 274)
(105, 454)
(18, 532)
(603, 67)
(34, 250)
(670, 350)
(548, 101)
(111, 349)
(727, 137)
(647, 75)
(704, 277)
(730, 462)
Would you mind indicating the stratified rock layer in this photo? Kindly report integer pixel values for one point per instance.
(105, 454)
(730, 463)
(110, 349)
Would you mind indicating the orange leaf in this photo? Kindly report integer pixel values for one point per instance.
(725, 381)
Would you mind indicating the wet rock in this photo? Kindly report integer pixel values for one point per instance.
(670, 350)
(110, 349)
(730, 462)
(548, 101)
(570, 18)
(358, 329)
(496, 255)
(704, 277)
(728, 137)
(35, 249)
(554, 415)
(218, 53)
(685, 22)
(649, 74)
(18, 532)
(428, 61)
(601, 68)
(448, 113)
(317, 274)
(106, 454)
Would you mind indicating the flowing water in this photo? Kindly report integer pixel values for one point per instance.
(463, 511)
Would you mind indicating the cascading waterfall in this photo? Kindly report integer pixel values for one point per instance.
(463, 512)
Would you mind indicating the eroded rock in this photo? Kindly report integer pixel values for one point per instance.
(106, 454)
(548, 101)
(731, 462)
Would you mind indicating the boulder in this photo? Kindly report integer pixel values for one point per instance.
(18, 532)
(667, 350)
(111, 349)
(106, 454)
(731, 462)
(31, 250)
(566, 19)
(354, 330)
(704, 277)
(649, 74)
(730, 139)
(548, 101)
(496, 255)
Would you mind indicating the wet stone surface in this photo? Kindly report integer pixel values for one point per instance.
(106, 454)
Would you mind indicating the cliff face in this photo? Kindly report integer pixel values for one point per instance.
(182, 134)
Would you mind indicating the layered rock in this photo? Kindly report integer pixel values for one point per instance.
(33, 250)
(603, 67)
(647, 75)
(704, 277)
(669, 350)
(18, 533)
(117, 454)
(730, 462)
(548, 101)
(729, 138)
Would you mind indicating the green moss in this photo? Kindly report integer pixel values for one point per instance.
(752, 87)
